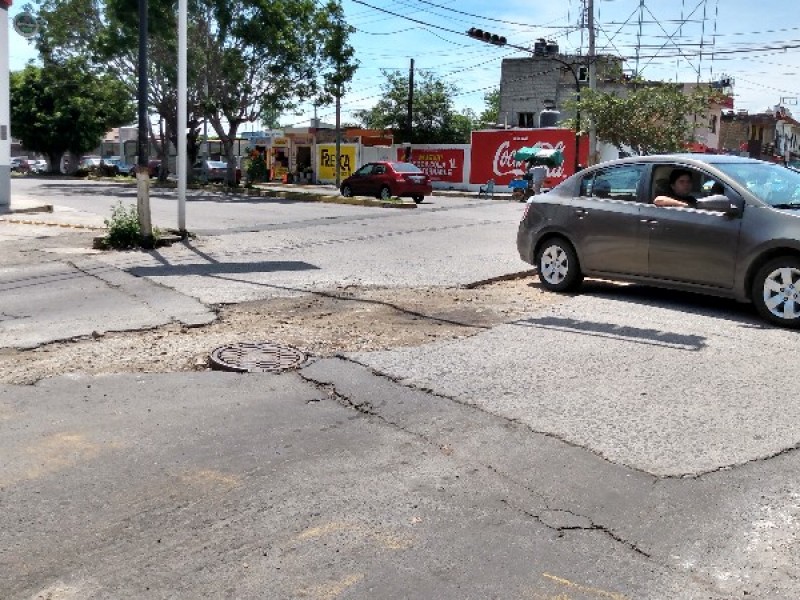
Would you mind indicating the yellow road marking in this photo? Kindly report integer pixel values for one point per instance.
(210, 477)
(582, 588)
(329, 591)
(54, 453)
(383, 538)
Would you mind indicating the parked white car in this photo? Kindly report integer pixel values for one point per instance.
(39, 165)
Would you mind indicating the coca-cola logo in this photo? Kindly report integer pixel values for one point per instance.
(505, 164)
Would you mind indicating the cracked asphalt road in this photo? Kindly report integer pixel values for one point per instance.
(445, 442)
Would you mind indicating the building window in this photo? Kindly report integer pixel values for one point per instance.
(713, 124)
(526, 120)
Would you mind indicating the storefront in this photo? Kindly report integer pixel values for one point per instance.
(278, 159)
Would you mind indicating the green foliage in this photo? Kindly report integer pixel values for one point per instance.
(264, 56)
(123, 228)
(248, 59)
(434, 120)
(257, 168)
(491, 114)
(651, 120)
(337, 62)
(65, 107)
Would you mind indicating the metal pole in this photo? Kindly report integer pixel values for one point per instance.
(5, 114)
(338, 136)
(182, 115)
(410, 108)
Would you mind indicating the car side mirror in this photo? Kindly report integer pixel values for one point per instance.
(721, 203)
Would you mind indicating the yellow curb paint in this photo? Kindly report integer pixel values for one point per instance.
(48, 224)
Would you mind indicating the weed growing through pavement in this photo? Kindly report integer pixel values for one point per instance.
(123, 228)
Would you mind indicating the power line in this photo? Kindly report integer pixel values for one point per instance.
(474, 16)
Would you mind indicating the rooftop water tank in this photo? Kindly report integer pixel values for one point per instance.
(549, 118)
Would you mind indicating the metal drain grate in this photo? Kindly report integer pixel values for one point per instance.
(250, 357)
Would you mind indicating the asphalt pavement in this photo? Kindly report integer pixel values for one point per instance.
(625, 443)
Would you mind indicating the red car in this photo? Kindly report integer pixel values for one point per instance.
(387, 179)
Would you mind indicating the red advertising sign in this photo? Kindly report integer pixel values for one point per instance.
(493, 153)
(438, 164)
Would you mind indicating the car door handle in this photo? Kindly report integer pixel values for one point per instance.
(649, 221)
(581, 212)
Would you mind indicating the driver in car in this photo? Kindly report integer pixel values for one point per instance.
(680, 184)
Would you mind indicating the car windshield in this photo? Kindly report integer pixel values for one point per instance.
(406, 168)
(771, 183)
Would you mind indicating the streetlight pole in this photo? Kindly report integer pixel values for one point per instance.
(5, 112)
(577, 109)
(498, 40)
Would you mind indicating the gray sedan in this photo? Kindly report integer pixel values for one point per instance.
(738, 236)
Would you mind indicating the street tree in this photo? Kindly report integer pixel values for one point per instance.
(65, 107)
(265, 56)
(434, 120)
(649, 120)
(490, 115)
(247, 58)
(105, 35)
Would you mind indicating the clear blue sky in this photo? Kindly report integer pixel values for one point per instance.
(757, 43)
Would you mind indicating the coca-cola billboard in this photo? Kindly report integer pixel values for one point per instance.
(493, 153)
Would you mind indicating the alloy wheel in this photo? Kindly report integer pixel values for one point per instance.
(781, 292)
(554, 264)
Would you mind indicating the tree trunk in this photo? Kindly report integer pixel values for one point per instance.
(54, 162)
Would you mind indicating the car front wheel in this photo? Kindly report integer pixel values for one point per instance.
(418, 199)
(558, 266)
(776, 291)
(347, 191)
(385, 193)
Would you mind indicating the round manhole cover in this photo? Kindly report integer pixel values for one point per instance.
(249, 357)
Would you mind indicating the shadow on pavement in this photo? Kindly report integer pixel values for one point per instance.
(685, 302)
(639, 335)
(219, 267)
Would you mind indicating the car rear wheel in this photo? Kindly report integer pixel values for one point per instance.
(347, 191)
(776, 291)
(385, 193)
(558, 266)
(418, 199)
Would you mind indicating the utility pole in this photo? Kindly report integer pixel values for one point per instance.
(592, 83)
(142, 170)
(410, 111)
(338, 135)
